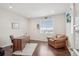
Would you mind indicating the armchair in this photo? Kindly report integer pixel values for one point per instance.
(58, 42)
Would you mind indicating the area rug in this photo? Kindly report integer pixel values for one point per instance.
(72, 52)
(27, 51)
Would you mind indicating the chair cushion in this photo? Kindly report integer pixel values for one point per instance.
(51, 39)
(60, 36)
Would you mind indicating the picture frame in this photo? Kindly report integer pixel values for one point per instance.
(68, 16)
(15, 26)
(38, 26)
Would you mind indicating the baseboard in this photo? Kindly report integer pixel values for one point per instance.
(37, 41)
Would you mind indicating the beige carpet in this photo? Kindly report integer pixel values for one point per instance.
(28, 50)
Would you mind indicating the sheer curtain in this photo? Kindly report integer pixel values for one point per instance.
(46, 26)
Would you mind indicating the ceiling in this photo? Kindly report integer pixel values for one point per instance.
(36, 9)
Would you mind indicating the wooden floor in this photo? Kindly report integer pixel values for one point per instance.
(43, 49)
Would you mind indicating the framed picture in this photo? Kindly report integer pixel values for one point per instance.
(68, 16)
(15, 26)
(38, 26)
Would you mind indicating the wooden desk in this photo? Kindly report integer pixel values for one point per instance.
(20, 42)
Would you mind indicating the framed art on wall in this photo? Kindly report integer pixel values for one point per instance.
(68, 16)
(15, 26)
(38, 26)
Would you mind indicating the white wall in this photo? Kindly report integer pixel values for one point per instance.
(69, 28)
(6, 18)
(59, 27)
(77, 22)
(70, 35)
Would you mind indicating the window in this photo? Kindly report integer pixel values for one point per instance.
(46, 26)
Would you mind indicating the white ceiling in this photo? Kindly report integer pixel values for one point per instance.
(36, 9)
